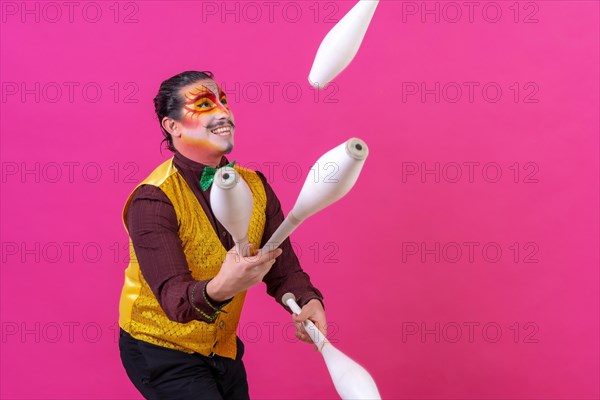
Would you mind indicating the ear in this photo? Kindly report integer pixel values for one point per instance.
(171, 126)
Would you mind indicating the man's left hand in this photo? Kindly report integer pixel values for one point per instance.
(313, 310)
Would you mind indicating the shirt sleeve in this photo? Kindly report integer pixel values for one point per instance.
(286, 275)
(153, 229)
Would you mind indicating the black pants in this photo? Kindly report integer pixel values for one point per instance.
(160, 373)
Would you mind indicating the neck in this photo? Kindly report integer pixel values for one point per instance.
(201, 156)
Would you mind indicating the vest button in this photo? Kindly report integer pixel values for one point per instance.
(222, 324)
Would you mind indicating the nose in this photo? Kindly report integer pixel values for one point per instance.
(224, 112)
(223, 115)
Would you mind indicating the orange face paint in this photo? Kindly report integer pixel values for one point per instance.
(205, 109)
(202, 101)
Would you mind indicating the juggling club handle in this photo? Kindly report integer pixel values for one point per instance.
(242, 247)
(315, 334)
(289, 224)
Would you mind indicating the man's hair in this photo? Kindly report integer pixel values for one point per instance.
(168, 102)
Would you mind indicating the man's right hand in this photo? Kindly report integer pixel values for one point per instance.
(240, 273)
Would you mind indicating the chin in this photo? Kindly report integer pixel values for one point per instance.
(229, 148)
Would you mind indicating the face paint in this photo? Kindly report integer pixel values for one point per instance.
(207, 120)
(202, 101)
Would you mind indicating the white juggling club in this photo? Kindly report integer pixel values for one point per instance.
(351, 381)
(341, 43)
(335, 173)
(231, 202)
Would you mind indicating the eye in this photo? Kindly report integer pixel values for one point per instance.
(224, 100)
(204, 103)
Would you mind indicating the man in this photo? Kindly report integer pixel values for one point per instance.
(183, 292)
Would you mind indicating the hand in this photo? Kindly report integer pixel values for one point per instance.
(313, 310)
(240, 273)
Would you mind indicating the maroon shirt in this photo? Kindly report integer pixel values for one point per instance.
(153, 228)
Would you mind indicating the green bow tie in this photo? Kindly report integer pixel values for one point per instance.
(208, 175)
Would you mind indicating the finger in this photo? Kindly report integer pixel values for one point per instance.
(232, 252)
(303, 337)
(319, 320)
(323, 329)
(266, 258)
(270, 255)
(305, 313)
(252, 255)
(299, 327)
(298, 318)
(303, 332)
(320, 325)
(251, 250)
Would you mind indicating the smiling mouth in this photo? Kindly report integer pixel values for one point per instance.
(222, 131)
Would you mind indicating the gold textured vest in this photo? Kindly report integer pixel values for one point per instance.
(140, 313)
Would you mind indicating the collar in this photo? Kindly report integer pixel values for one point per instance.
(185, 163)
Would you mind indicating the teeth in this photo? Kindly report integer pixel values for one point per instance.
(226, 130)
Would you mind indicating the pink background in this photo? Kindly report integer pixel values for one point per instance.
(533, 314)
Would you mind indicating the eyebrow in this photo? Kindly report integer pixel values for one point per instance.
(199, 92)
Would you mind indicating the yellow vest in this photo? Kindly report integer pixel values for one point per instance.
(140, 313)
